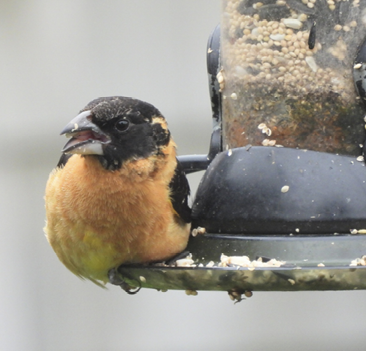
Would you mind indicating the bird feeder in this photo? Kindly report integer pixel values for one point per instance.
(283, 197)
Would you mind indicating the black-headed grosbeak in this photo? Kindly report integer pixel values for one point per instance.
(118, 194)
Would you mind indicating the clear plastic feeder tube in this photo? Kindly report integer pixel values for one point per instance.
(287, 74)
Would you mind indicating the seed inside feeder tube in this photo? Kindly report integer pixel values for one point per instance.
(277, 37)
(312, 64)
(266, 60)
(220, 78)
(285, 189)
(293, 23)
(262, 126)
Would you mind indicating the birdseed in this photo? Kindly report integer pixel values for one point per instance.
(306, 97)
(358, 262)
(198, 230)
(244, 261)
(186, 262)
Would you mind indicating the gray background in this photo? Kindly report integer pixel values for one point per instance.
(55, 56)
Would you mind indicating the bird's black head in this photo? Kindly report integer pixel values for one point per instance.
(117, 129)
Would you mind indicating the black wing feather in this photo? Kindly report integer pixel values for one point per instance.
(180, 191)
(63, 160)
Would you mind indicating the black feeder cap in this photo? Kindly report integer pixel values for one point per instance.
(271, 190)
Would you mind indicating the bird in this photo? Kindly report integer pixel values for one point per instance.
(118, 194)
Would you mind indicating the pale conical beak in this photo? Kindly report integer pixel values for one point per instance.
(86, 137)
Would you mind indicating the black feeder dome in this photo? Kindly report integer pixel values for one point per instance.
(285, 179)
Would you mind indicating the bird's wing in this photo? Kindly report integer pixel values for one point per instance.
(180, 190)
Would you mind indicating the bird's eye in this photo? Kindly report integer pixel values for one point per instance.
(122, 125)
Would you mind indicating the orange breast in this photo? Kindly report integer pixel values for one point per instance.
(98, 219)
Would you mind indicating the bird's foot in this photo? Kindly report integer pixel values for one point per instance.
(116, 279)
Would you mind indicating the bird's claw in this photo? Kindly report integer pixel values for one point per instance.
(116, 279)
